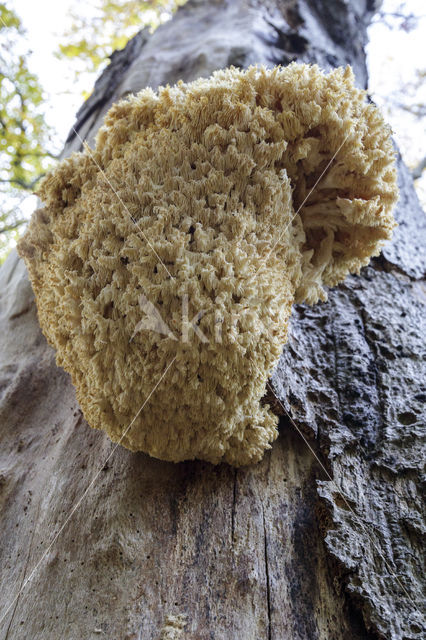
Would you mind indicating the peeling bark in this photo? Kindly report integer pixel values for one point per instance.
(320, 540)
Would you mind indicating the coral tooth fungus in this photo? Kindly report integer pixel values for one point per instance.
(240, 194)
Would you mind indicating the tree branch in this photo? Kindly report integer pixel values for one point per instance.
(12, 227)
(28, 186)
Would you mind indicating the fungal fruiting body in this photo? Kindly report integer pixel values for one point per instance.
(242, 194)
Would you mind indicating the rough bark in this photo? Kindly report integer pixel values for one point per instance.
(320, 540)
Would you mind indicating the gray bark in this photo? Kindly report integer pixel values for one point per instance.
(321, 539)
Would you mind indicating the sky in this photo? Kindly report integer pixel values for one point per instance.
(44, 22)
(393, 57)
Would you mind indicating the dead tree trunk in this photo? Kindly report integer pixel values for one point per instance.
(320, 540)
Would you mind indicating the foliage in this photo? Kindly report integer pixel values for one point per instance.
(24, 132)
(108, 25)
(95, 32)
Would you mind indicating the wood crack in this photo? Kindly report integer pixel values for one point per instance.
(234, 502)
(18, 314)
(268, 589)
(30, 548)
(375, 356)
(381, 263)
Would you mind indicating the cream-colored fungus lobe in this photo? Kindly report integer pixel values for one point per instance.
(210, 190)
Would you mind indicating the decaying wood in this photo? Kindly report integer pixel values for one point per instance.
(320, 540)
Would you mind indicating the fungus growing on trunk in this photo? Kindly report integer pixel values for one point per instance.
(233, 197)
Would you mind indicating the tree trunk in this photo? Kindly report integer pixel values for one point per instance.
(319, 540)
